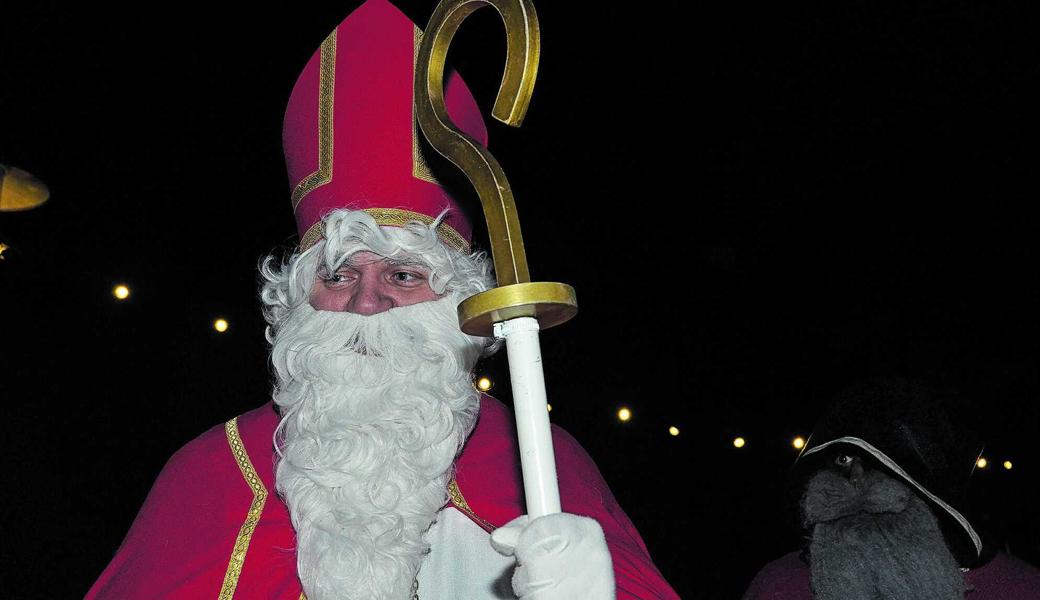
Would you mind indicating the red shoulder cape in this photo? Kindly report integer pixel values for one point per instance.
(213, 525)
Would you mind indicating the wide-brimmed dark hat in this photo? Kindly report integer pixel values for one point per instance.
(904, 429)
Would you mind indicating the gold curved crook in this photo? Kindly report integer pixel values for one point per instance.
(516, 296)
(511, 103)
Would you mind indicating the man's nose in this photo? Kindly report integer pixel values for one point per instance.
(368, 298)
(856, 474)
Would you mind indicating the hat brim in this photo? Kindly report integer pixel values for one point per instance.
(893, 468)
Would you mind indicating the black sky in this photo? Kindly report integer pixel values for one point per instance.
(755, 205)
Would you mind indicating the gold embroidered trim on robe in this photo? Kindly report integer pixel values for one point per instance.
(460, 503)
(245, 533)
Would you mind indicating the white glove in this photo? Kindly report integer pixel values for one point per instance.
(558, 557)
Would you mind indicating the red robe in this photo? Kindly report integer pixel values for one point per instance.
(213, 526)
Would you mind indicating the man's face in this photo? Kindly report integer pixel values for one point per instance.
(873, 537)
(367, 284)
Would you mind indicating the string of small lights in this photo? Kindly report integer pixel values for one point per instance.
(121, 292)
(484, 383)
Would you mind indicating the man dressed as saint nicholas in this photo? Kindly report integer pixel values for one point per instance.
(377, 471)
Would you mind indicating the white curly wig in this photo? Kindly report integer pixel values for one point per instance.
(287, 284)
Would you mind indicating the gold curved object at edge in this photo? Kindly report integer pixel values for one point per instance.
(516, 296)
(20, 190)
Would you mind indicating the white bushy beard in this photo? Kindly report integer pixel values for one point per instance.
(375, 410)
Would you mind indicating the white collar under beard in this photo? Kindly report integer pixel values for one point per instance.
(375, 410)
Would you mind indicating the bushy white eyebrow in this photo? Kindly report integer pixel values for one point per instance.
(408, 262)
(349, 262)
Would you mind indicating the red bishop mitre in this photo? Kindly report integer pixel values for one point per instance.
(350, 136)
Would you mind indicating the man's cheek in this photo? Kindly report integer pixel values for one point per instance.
(324, 299)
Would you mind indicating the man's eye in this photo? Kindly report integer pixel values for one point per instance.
(407, 276)
(843, 460)
(333, 278)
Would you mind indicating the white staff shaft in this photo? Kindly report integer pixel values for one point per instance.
(532, 415)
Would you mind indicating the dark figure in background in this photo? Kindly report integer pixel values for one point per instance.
(880, 491)
(872, 537)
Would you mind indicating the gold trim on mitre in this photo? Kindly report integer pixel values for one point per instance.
(245, 533)
(394, 217)
(326, 97)
(420, 170)
(314, 233)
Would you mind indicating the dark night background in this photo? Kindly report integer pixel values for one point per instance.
(756, 206)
